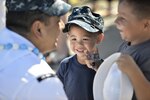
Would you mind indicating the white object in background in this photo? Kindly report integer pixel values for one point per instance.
(110, 83)
(2, 14)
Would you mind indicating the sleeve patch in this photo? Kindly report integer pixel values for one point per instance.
(45, 76)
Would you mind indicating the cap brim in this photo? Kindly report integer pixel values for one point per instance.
(110, 83)
(59, 8)
(82, 24)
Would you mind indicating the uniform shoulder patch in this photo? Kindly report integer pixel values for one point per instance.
(45, 76)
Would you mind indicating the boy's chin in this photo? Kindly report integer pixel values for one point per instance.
(80, 56)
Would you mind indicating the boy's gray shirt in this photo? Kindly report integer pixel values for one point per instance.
(141, 55)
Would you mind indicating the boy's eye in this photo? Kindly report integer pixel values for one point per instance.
(86, 39)
(73, 39)
(121, 19)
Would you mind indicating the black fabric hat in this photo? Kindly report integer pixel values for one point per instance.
(85, 18)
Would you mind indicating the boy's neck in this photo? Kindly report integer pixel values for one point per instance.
(81, 61)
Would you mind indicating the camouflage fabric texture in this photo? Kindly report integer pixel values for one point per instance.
(50, 7)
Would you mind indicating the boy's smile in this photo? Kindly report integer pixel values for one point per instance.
(80, 50)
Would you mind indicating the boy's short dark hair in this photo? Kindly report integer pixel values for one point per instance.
(22, 21)
(141, 7)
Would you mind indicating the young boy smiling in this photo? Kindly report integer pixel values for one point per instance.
(85, 31)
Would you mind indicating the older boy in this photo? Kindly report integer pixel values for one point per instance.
(134, 24)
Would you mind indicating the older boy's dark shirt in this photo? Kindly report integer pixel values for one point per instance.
(77, 79)
(141, 55)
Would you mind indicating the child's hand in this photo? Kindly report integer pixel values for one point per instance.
(140, 84)
(126, 64)
(93, 60)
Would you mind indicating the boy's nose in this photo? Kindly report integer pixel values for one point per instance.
(116, 21)
(79, 42)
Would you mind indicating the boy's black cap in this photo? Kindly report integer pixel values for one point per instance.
(85, 18)
(50, 7)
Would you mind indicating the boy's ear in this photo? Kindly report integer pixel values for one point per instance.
(147, 24)
(36, 29)
(100, 38)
